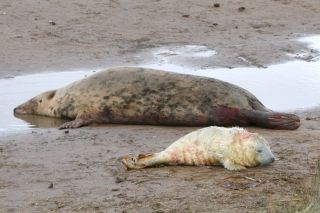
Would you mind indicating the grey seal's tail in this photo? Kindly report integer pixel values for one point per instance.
(230, 116)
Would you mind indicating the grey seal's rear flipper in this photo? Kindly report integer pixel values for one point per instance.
(273, 120)
(229, 116)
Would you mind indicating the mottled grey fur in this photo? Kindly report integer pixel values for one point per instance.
(132, 95)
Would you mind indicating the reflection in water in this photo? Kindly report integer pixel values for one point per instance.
(187, 51)
(37, 121)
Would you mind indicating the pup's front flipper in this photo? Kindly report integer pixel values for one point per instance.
(232, 166)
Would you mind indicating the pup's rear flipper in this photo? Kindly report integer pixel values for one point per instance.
(141, 161)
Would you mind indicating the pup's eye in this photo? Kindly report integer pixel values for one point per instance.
(259, 150)
(40, 101)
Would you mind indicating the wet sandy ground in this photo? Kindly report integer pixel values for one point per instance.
(79, 170)
(80, 34)
(50, 170)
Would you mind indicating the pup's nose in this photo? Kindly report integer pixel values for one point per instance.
(272, 159)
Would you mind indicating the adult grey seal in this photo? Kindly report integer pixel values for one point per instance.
(133, 95)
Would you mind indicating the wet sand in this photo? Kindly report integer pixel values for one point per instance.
(57, 35)
(78, 170)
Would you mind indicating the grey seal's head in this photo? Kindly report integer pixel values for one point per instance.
(38, 105)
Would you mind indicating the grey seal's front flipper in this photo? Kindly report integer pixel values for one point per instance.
(75, 124)
(83, 119)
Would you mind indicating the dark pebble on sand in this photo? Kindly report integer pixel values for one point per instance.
(66, 132)
(312, 119)
(240, 9)
(216, 5)
(50, 186)
(119, 179)
(52, 22)
(186, 16)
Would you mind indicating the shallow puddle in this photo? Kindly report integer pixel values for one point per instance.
(284, 87)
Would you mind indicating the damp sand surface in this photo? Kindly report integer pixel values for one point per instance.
(43, 170)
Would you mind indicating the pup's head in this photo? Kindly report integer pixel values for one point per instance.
(264, 155)
(251, 149)
(38, 105)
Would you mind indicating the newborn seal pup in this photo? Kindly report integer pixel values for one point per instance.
(234, 148)
(133, 95)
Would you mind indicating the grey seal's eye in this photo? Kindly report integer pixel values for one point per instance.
(259, 150)
(40, 101)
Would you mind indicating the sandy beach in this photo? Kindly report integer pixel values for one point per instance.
(78, 170)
